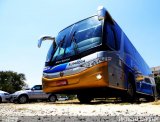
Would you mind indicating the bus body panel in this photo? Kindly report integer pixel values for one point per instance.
(83, 80)
(115, 69)
(78, 74)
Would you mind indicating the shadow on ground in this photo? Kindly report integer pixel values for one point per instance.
(93, 102)
(98, 102)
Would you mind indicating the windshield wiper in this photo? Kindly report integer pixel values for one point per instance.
(59, 46)
(73, 40)
(55, 47)
(61, 43)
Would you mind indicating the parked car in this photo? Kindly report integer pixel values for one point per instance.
(62, 98)
(147, 86)
(4, 96)
(35, 93)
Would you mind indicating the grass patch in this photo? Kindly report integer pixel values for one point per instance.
(125, 103)
(156, 102)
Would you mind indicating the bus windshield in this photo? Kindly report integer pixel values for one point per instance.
(76, 39)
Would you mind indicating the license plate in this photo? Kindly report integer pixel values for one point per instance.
(61, 83)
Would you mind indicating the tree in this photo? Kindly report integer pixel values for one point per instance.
(11, 81)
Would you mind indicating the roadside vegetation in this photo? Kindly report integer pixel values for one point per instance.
(12, 81)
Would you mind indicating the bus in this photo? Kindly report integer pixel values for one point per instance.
(93, 58)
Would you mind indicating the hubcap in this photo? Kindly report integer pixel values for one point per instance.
(130, 91)
(52, 98)
(23, 99)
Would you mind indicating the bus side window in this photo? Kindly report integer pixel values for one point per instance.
(147, 80)
(110, 39)
(118, 33)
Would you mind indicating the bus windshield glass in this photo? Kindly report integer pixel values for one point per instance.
(76, 39)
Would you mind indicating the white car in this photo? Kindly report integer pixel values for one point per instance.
(62, 98)
(35, 93)
(4, 96)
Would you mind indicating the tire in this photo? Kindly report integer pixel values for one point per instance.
(131, 93)
(22, 99)
(11, 100)
(84, 99)
(152, 98)
(52, 98)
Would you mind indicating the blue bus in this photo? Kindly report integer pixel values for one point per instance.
(93, 58)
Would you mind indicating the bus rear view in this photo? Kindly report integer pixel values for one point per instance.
(88, 59)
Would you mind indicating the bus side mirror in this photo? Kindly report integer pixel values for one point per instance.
(45, 38)
(40, 43)
(103, 14)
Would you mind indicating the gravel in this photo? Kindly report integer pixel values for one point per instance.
(74, 108)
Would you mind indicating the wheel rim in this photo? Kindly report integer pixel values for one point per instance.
(52, 99)
(130, 90)
(23, 99)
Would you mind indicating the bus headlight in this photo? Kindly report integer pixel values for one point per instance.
(99, 76)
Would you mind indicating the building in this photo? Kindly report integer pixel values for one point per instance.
(156, 70)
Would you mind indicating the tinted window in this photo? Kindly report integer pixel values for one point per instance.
(128, 47)
(70, 50)
(118, 33)
(78, 38)
(147, 80)
(37, 87)
(49, 54)
(86, 35)
(110, 37)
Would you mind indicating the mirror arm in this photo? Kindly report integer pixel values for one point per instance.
(45, 38)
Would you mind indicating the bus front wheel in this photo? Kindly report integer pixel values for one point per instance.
(84, 98)
(131, 93)
(153, 97)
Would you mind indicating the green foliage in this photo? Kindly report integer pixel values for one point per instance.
(11, 81)
(157, 80)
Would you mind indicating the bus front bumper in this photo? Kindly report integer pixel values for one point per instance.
(94, 77)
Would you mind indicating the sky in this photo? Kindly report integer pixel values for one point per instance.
(23, 22)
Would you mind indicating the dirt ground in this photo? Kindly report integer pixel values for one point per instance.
(74, 108)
